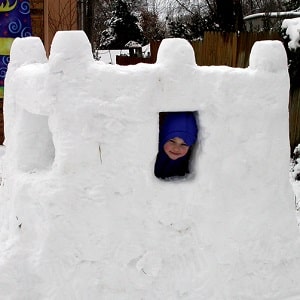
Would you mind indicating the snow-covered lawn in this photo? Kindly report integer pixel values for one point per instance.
(109, 56)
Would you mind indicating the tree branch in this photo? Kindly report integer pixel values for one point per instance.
(209, 6)
(185, 7)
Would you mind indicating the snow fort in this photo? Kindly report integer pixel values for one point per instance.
(84, 217)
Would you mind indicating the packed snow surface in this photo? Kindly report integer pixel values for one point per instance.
(84, 217)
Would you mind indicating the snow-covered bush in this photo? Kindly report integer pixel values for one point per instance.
(296, 164)
(290, 32)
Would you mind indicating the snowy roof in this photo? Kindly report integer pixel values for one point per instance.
(286, 14)
(133, 44)
(291, 24)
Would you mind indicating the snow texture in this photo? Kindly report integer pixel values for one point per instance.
(84, 217)
(292, 30)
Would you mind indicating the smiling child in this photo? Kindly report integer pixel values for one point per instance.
(178, 133)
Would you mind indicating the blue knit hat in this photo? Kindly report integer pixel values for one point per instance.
(179, 124)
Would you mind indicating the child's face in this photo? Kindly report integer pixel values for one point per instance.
(176, 148)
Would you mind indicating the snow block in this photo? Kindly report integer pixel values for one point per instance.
(84, 217)
(269, 56)
(70, 51)
(31, 129)
(173, 53)
(27, 50)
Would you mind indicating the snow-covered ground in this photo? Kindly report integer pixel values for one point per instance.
(109, 56)
(84, 217)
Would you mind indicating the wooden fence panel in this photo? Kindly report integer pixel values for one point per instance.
(246, 41)
(230, 49)
(154, 45)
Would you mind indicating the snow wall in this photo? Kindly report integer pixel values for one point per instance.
(84, 217)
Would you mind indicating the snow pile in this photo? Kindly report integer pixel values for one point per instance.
(84, 217)
(292, 29)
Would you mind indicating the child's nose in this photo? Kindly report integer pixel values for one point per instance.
(177, 148)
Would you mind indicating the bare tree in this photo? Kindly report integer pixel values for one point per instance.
(66, 19)
(196, 16)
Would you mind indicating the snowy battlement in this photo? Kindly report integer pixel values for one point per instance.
(82, 206)
(79, 95)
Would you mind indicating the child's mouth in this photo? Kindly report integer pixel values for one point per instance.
(175, 154)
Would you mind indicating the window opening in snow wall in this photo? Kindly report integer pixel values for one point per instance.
(178, 133)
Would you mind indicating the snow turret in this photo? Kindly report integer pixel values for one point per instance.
(269, 56)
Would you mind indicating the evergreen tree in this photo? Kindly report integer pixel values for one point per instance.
(179, 29)
(122, 27)
(292, 5)
(229, 15)
(191, 27)
(200, 23)
(153, 28)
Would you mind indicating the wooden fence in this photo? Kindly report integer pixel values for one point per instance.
(216, 48)
(231, 49)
